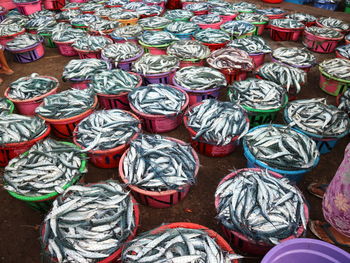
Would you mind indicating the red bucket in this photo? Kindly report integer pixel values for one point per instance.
(11, 150)
(226, 18)
(336, 29)
(198, 13)
(240, 241)
(215, 46)
(331, 85)
(192, 62)
(161, 123)
(5, 39)
(233, 75)
(162, 199)
(27, 107)
(63, 128)
(66, 49)
(29, 8)
(258, 59)
(285, 34)
(54, 4)
(88, 53)
(320, 44)
(272, 1)
(79, 83)
(214, 25)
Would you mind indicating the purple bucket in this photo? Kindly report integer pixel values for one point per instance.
(306, 250)
(123, 64)
(161, 78)
(29, 54)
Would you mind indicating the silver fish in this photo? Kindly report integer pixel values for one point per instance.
(41, 14)
(68, 34)
(117, 2)
(39, 22)
(270, 11)
(10, 29)
(123, 15)
(181, 27)
(133, 5)
(155, 38)
(286, 23)
(178, 14)
(294, 56)
(127, 32)
(84, 19)
(344, 102)
(336, 67)
(323, 32)
(150, 10)
(71, 5)
(188, 49)
(23, 41)
(251, 45)
(83, 68)
(253, 17)
(237, 28)
(201, 6)
(154, 22)
(344, 51)
(244, 6)
(333, 23)
(92, 43)
(219, 4)
(301, 17)
(231, 58)
(154, 64)
(103, 25)
(212, 36)
(68, 15)
(224, 11)
(206, 19)
(5, 106)
(121, 51)
(88, 7)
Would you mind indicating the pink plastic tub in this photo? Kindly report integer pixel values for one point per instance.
(88, 53)
(155, 50)
(5, 39)
(79, 83)
(161, 123)
(226, 18)
(163, 199)
(233, 75)
(240, 241)
(285, 34)
(54, 4)
(192, 62)
(198, 13)
(29, 8)
(260, 27)
(258, 59)
(66, 49)
(215, 46)
(163, 78)
(320, 44)
(214, 26)
(127, 63)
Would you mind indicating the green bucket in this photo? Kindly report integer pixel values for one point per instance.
(48, 42)
(347, 9)
(332, 85)
(43, 203)
(12, 106)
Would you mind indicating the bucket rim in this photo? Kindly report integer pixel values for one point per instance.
(26, 49)
(195, 91)
(331, 77)
(273, 59)
(22, 31)
(249, 109)
(324, 38)
(156, 46)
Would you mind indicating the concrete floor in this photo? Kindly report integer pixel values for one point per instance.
(19, 239)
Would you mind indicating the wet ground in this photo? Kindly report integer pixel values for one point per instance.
(19, 238)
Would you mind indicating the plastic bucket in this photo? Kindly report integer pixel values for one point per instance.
(29, 54)
(48, 42)
(214, 46)
(258, 59)
(123, 64)
(88, 53)
(331, 85)
(214, 25)
(66, 49)
(54, 4)
(161, 123)
(27, 107)
(5, 39)
(252, 162)
(320, 44)
(276, 16)
(327, 6)
(273, 1)
(306, 250)
(63, 128)
(119, 101)
(128, 22)
(162, 199)
(29, 7)
(11, 150)
(260, 27)
(227, 18)
(43, 203)
(298, 2)
(198, 13)
(285, 34)
(242, 242)
(336, 29)
(187, 36)
(304, 68)
(79, 83)
(249, 34)
(11, 108)
(196, 96)
(233, 75)
(123, 40)
(155, 49)
(192, 62)
(161, 78)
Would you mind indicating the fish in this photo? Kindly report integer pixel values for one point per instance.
(237, 27)
(157, 99)
(133, 5)
(347, 37)
(270, 11)
(316, 117)
(23, 41)
(68, 34)
(15, 128)
(147, 10)
(219, 4)
(91, 43)
(39, 22)
(31, 86)
(104, 12)
(116, 2)
(286, 76)
(334, 23)
(89, 7)
(281, 147)
(154, 64)
(102, 25)
(66, 104)
(154, 22)
(199, 6)
(294, 56)
(13, 21)
(182, 27)
(286, 23)
(123, 15)
(10, 29)
(302, 17)
(131, 31)
(260, 206)
(48, 167)
(114, 82)
(176, 245)
(323, 32)
(344, 51)
(212, 36)
(70, 6)
(253, 17)
(188, 49)
(156, 163)
(68, 15)
(206, 19)
(218, 122)
(251, 45)
(88, 223)
(42, 13)
(199, 78)
(178, 14)
(257, 94)
(230, 58)
(106, 129)
(83, 68)
(84, 19)
(336, 67)
(121, 51)
(244, 7)
(344, 102)
(156, 38)
(5, 106)
(224, 11)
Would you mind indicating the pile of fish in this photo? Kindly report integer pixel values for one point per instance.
(237, 28)
(66, 104)
(48, 167)
(206, 19)
(283, 75)
(181, 27)
(286, 23)
(156, 38)
(245, 7)
(188, 49)
(220, 4)
(316, 117)
(157, 99)
(201, 6)
(155, 163)
(344, 51)
(13, 21)
(5, 106)
(347, 37)
(212, 36)
(88, 223)
(106, 129)
(104, 12)
(42, 13)
(281, 147)
(178, 14)
(270, 11)
(123, 15)
(71, 6)
(294, 56)
(175, 245)
(230, 58)
(91, 43)
(148, 10)
(116, 2)
(333, 23)
(133, 5)
(67, 15)
(260, 206)
(31, 86)
(251, 45)
(323, 32)
(131, 31)
(88, 7)
(344, 101)
(253, 18)
(154, 22)
(39, 22)
(218, 122)
(223, 11)
(154, 64)
(103, 25)
(113, 82)
(121, 51)
(258, 94)
(68, 35)
(199, 78)
(15, 128)
(301, 17)
(84, 19)
(23, 41)
(81, 69)
(336, 67)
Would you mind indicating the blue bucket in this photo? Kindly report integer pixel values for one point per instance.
(327, 6)
(299, 2)
(293, 176)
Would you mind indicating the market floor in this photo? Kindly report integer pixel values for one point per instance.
(19, 238)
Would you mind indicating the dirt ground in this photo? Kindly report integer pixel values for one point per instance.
(19, 238)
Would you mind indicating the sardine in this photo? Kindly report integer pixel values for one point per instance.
(127, 32)
(121, 51)
(206, 19)
(103, 25)
(23, 41)
(323, 32)
(251, 45)
(178, 14)
(253, 17)
(68, 34)
(10, 29)
(224, 11)
(244, 6)
(154, 22)
(212, 36)
(92, 43)
(336, 67)
(154, 64)
(270, 11)
(188, 49)
(39, 22)
(286, 23)
(88, 7)
(344, 51)
(294, 56)
(301, 17)
(83, 68)
(200, 6)
(148, 10)
(13, 21)
(123, 15)
(181, 27)
(42, 13)
(68, 15)
(84, 19)
(237, 28)
(5, 106)
(333, 23)
(230, 58)
(157, 38)
(344, 102)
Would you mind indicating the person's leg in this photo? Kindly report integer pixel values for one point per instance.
(5, 69)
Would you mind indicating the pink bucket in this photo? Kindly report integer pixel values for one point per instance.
(161, 78)
(258, 59)
(156, 49)
(163, 199)
(79, 83)
(127, 63)
(5, 39)
(198, 13)
(189, 63)
(285, 34)
(161, 123)
(320, 44)
(29, 8)
(54, 4)
(214, 26)
(29, 54)
(66, 49)
(215, 46)
(88, 53)
(233, 75)
(226, 18)
(259, 29)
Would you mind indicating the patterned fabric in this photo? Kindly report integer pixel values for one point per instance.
(336, 201)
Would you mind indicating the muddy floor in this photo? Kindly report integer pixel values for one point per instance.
(19, 238)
